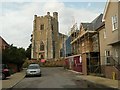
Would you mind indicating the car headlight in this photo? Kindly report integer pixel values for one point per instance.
(38, 71)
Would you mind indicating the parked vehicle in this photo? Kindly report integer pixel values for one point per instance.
(4, 71)
(33, 70)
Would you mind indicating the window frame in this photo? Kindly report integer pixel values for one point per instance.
(114, 22)
(107, 57)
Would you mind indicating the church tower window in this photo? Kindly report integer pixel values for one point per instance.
(41, 46)
(42, 27)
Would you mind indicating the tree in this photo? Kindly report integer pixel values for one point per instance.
(28, 52)
(14, 55)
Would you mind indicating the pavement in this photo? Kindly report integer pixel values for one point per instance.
(110, 83)
(13, 79)
(17, 77)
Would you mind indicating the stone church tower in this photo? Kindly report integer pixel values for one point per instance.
(45, 37)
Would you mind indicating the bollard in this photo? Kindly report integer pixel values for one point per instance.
(113, 75)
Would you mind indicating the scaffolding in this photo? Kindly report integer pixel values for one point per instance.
(92, 57)
(74, 33)
(86, 43)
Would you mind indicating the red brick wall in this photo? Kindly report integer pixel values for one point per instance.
(109, 72)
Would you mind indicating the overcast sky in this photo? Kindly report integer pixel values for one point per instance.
(16, 18)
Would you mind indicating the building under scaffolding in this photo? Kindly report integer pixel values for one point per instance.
(86, 43)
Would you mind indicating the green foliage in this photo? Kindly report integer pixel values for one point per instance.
(28, 52)
(14, 55)
(26, 64)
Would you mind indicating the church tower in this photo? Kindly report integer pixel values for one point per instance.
(45, 37)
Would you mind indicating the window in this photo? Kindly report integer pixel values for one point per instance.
(107, 57)
(52, 27)
(42, 27)
(41, 46)
(114, 23)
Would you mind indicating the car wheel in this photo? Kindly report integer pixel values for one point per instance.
(39, 75)
(3, 76)
(26, 75)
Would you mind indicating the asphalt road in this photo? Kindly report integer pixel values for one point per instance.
(52, 78)
(55, 78)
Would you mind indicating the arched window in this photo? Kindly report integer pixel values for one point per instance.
(41, 46)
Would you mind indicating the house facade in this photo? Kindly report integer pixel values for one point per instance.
(110, 40)
(3, 46)
(89, 45)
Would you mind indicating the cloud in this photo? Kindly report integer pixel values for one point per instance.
(89, 4)
(17, 23)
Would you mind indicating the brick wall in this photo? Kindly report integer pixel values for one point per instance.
(109, 72)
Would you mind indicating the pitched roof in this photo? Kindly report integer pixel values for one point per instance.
(105, 10)
(87, 26)
(2, 40)
(94, 25)
(97, 22)
(106, 7)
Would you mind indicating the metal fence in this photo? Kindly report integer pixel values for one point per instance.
(95, 64)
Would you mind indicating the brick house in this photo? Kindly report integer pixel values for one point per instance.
(3, 44)
(109, 38)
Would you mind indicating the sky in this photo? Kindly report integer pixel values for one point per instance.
(16, 18)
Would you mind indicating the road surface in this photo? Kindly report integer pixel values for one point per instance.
(53, 78)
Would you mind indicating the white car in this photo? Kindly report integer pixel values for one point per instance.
(33, 70)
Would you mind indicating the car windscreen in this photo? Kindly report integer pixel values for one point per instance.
(33, 67)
